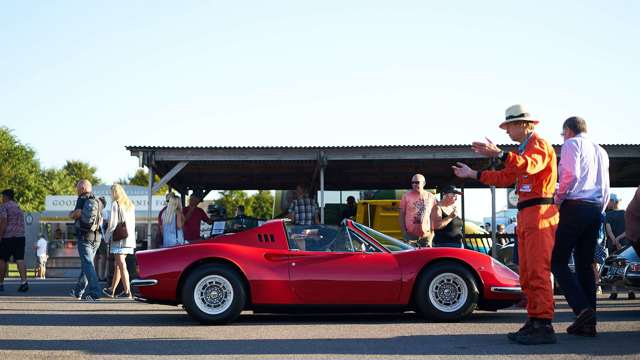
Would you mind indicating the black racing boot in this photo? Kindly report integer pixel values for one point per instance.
(585, 324)
(523, 330)
(541, 333)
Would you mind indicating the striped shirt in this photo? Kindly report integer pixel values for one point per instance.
(583, 172)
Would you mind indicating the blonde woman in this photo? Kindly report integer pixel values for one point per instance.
(122, 209)
(172, 222)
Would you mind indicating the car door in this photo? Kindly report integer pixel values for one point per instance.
(357, 274)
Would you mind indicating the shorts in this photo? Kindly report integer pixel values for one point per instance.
(42, 259)
(115, 249)
(12, 246)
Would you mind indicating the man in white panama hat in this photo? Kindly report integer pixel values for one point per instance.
(533, 169)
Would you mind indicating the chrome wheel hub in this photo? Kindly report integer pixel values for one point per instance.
(213, 294)
(448, 292)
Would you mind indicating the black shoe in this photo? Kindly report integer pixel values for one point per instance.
(586, 318)
(523, 330)
(541, 333)
(75, 295)
(107, 292)
(585, 330)
(613, 296)
(24, 287)
(632, 295)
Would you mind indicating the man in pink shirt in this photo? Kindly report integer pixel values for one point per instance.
(415, 208)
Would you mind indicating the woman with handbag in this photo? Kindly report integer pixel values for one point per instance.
(121, 234)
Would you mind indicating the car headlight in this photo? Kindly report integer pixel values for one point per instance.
(503, 270)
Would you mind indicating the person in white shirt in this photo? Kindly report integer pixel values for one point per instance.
(122, 210)
(41, 253)
(582, 195)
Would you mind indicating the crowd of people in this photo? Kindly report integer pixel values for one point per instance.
(564, 208)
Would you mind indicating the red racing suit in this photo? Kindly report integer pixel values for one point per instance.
(535, 174)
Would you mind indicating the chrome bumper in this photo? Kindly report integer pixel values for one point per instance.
(145, 282)
(507, 289)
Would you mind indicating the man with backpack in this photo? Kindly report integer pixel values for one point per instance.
(88, 218)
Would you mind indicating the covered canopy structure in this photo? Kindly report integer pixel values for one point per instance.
(334, 167)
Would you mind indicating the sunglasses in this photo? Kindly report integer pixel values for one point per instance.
(415, 182)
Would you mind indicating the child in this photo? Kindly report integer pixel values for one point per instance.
(41, 253)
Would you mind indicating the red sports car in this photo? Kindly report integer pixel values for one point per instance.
(280, 267)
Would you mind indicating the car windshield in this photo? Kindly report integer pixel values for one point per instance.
(327, 238)
(389, 243)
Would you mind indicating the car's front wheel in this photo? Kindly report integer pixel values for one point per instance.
(446, 291)
(214, 294)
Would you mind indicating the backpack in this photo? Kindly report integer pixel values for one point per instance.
(90, 215)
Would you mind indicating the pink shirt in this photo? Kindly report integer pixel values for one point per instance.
(417, 208)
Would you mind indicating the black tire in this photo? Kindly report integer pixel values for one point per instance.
(454, 292)
(221, 295)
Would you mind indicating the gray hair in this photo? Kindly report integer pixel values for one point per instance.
(84, 185)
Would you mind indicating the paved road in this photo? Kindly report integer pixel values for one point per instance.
(47, 324)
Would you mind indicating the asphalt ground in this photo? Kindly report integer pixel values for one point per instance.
(46, 323)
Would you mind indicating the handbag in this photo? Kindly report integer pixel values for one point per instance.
(120, 232)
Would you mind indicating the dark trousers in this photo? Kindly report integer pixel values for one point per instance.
(577, 232)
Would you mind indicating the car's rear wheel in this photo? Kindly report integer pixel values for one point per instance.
(214, 294)
(446, 291)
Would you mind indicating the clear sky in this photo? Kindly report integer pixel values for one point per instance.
(80, 80)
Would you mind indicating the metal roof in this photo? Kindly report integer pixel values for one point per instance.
(345, 167)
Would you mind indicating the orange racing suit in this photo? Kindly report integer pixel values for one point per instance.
(535, 173)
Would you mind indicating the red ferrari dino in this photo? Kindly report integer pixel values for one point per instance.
(280, 267)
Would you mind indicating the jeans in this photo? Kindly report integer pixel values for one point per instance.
(578, 232)
(88, 280)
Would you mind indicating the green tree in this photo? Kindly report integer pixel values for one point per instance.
(77, 170)
(20, 171)
(141, 178)
(58, 182)
(231, 199)
(262, 204)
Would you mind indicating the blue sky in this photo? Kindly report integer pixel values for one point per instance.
(308, 73)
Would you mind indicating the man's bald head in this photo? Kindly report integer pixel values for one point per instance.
(83, 186)
(417, 182)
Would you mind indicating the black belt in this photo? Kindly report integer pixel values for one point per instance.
(533, 202)
(580, 202)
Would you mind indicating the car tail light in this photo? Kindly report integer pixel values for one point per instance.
(635, 267)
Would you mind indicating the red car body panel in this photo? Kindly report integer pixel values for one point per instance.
(277, 275)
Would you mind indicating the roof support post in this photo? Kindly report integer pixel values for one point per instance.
(464, 218)
(149, 204)
(494, 247)
(323, 164)
(173, 172)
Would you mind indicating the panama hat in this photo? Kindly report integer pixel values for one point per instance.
(515, 113)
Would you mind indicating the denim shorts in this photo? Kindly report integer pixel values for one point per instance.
(115, 249)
